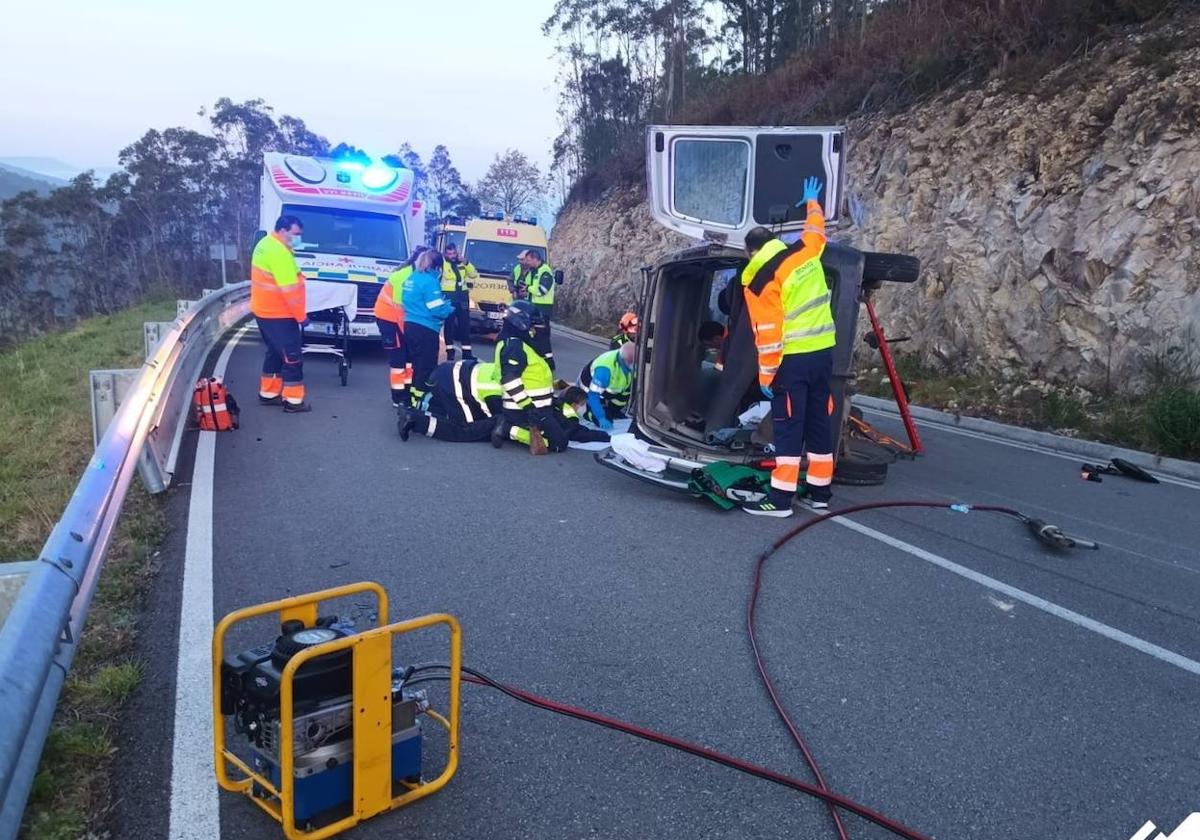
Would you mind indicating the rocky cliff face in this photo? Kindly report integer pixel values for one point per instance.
(1058, 228)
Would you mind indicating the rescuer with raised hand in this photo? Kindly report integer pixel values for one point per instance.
(278, 304)
(425, 310)
(540, 283)
(628, 327)
(458, 278)
(389, 316)
(527, 384)
(789, 306)
(608, 379)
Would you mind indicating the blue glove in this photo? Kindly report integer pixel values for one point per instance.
(812, 190)
(767, 392)
(604, 423)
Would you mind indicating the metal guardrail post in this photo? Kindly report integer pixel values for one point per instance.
(39, 638)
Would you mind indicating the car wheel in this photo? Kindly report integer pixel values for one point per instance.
(861, 469)
(891, 268)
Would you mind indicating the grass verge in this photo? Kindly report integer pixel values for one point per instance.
(45, 442)
(1164, 418)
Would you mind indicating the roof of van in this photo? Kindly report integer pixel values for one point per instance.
(506, 231)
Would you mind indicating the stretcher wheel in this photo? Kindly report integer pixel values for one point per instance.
(344, 373)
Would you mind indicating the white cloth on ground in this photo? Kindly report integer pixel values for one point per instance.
(637, 453)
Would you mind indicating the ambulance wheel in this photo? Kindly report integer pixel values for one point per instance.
(860, 469)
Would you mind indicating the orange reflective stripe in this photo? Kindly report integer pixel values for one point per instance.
(829, 409)
(766, 314)
(785, 475)
(820, 470)
(293, 393)
(397, 378)
(270, 386)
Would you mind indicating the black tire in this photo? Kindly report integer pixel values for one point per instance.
(856, 469)
(856, 412)
(344, 373)
(890, 268)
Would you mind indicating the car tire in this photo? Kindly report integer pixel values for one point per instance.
(890, 268)
(860, 469)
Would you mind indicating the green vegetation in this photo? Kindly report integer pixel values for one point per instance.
(626, 63)
(45, 442)
(1163, 418)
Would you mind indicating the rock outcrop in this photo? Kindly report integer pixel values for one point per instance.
(1058, 227)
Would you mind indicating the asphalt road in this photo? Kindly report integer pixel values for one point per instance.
(951, 706)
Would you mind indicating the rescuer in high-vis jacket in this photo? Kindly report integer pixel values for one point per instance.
(458, 278)
(463, 406)
(788, 302)
(539, 285)
(389, 317)
(278, 305)
(608, 379)
(526, 382)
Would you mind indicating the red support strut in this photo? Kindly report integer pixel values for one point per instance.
(910, 427)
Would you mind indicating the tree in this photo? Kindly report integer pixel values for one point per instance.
(513, 184)
(446, 188)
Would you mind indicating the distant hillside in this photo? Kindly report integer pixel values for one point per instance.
(14, 180)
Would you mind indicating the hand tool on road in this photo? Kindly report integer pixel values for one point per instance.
(1116, 466)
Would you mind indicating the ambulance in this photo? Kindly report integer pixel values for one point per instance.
(491, 244)
(360, 222)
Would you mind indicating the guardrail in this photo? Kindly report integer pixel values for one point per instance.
(39, 638)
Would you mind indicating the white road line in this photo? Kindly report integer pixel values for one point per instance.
(194, 814)
(1027, 447)
(1119, 636)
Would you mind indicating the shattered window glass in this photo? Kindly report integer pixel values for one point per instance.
(709, 180)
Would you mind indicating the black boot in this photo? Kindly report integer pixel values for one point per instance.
(500, 432)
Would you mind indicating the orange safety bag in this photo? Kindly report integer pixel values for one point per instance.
(213, 406)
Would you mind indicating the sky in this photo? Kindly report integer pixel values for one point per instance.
(82, 79)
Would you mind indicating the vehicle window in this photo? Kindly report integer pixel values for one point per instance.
(717, 308)
(453, 237)
(350, 232)
(496, 257)
(709, 179)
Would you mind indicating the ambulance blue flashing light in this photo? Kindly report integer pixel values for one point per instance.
(350, 166)
(378, 177)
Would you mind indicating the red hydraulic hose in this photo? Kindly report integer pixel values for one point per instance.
(752, 609)
(834, 799)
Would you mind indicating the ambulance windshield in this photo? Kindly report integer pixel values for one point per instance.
(351, 233)
(496, 257)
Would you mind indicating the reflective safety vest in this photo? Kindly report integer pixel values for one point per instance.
(525, 378)
(389, 305)
(276, 284)
(458, 277)
(485, 381)
(540, 283)
(619, 339)
(620, 381)
(788, 299)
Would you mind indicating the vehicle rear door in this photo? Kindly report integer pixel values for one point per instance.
(716, 183)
